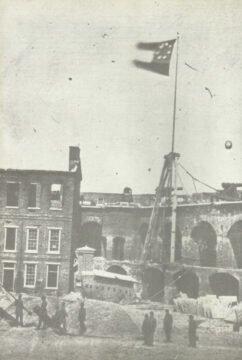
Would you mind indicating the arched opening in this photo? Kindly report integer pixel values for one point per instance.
(118, 248)
(224, 284)
(91, 235)
(153, 281)
(117, 270)
(166, 235)
(187, 282)
(143, 231)
(235, 237)
(205, 236)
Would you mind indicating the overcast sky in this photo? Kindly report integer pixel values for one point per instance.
(67, 79)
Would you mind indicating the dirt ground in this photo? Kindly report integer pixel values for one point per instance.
(216, 341)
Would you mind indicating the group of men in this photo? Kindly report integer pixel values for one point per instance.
(149, 327)
(58, 320)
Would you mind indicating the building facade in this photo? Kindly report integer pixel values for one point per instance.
(39, 227)
(208, 242)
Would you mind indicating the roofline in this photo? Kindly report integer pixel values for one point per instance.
(37, 171)
(114, 193)
(110, 206)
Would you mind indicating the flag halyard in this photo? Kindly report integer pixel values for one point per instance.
(160, 63)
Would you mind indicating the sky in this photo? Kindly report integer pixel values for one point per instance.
(67, 79)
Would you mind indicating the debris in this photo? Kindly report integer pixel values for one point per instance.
(207, 306)
(73, 296)
(103, 318)
(235, 314)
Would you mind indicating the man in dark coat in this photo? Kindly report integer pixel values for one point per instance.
(146, 329)
(82, 318)
(19, 310)
(43, 313)
(152, 321)
(192, 332)
(167, 325)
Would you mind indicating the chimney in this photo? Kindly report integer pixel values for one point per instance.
(74, 159)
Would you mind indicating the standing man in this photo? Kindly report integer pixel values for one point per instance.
(62, 317)
(192, 332)
(43, 313)
(19, 310)
(146, 329)
(167, 325)
(152, 321)
(82, 318)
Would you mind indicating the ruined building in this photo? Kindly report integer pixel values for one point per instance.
(39, 227)
(208, 251)
(44, 219)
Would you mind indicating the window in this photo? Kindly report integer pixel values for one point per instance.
(10, 239)
(12, 194)
(52, 276)
(8, 275)
(56, 196)
(54, 240)
(32, 240)
(30, 275)
(34, 196)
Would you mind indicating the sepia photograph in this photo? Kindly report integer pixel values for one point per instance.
(120, 179)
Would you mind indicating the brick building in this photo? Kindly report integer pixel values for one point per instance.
(39, 227)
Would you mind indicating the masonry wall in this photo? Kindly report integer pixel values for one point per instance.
(126, 223)
(43, 218)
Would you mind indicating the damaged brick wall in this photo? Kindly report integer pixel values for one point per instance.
(126, 222)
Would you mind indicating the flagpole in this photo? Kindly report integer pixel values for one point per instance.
(173, 167)
(175, 94)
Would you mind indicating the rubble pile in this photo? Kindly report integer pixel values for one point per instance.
(208, 306)
(103, 318)
(235, 314)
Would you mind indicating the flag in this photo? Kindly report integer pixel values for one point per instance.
(160, 63)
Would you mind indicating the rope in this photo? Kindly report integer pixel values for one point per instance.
(187, 193)
(194, 184)
(195, 179)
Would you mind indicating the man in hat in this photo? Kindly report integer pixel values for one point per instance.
(146, 329)
(167, 325)
(19, 310)
(152, 322)
(43, 313)
(82, 318)
(192, 332)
